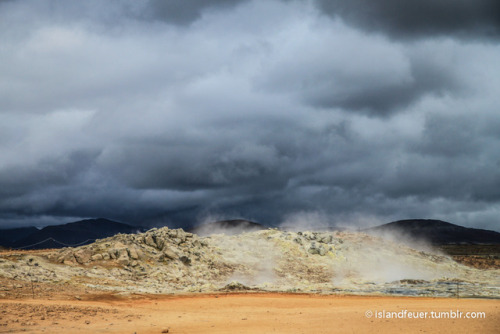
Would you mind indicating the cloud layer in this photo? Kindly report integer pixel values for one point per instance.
(154, 112)
(420, 19)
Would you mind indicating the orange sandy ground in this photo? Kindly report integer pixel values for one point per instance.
(240, 313)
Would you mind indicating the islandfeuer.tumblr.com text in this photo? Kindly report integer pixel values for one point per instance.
(407, 314)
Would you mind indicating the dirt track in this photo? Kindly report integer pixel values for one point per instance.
(240, 313)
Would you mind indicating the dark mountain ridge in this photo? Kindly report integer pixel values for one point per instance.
(438, 232)
(70, 234)
(87, 231)
(9, 236)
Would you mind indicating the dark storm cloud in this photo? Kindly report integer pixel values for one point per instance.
(189, 167)
(174, 112)
(427, 18)
(463, 159)
(61, 170)
(183, 12)
(336, 67)
(379, 99)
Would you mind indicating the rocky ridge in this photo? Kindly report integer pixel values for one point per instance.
(174, 261)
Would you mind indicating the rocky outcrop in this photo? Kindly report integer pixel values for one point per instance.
(160, 244)
(171, 260)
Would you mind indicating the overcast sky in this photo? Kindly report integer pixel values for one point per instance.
(177, 112)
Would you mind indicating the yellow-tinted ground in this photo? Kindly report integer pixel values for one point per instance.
(242, 313)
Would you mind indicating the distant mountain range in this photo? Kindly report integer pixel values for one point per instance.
(438, 232)
(8, 237)
(87, 231)
(58, 236)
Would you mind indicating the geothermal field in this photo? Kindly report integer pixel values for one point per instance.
(120, 282)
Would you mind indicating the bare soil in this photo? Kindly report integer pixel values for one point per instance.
(98, 312)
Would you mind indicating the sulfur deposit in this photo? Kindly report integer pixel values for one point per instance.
(173, 261)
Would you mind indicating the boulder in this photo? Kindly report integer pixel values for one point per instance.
(123, 259)
(235, 286)
(97, 257)
(122, 252)
(185, 260)
(132, 252)
(83, 255)
(148, 240)
(326, 239)
(65, 256)
(169, 253)
(160, 242)
(314, 249)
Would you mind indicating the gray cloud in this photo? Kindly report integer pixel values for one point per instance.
(264, 110)
(183, 12)
(334, 66)
(420, 19)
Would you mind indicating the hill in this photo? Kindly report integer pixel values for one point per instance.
(70, 234)
(9, 236)
(438, 232)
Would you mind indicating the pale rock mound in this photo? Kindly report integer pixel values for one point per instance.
(170, 261)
